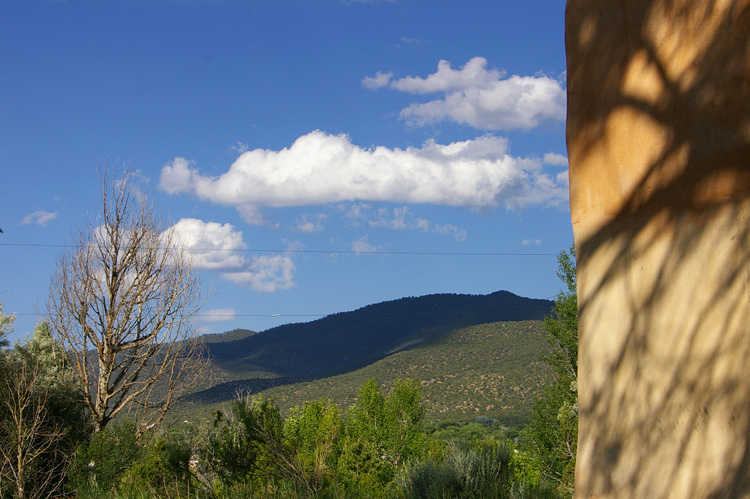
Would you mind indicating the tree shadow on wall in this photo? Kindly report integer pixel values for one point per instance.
(674, 389)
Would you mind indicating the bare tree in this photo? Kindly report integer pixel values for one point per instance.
(122, 301)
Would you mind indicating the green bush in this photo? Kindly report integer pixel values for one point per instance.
(100, 464)
(479, 469)
(247, 442)
(163, 467)
(315, 433)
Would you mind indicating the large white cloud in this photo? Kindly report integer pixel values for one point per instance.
(320, 168)
(478, 97)
(220, 248)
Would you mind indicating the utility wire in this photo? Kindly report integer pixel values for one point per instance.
(329, 252)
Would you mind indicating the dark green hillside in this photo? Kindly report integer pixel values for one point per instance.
(485, 370)
(233, 335)
(346, 341)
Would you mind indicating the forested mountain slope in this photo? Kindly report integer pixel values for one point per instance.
(490, 370)
(348, 340)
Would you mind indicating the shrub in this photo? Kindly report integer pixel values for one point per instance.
(100, 463)
(164, 466)
(479, 469)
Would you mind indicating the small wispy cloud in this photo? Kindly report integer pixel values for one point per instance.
(449, 229)
(380, 80)
(239, 148)
(529, 242)
(401, 218)
(311, 224)
(361, 245)
(411, 41)
(39, 217)
(217, 315)
(554, 159)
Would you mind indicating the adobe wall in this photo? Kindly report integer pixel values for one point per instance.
(658, 138)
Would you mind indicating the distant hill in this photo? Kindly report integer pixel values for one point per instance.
(348, 341)
(492, 370)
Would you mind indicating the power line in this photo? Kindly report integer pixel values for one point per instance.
(328, 252)
(27, 314)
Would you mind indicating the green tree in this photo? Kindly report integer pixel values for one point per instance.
(315, 432)
(42, 416)
(382, 433)
(562, 326)
(552, 434)
(251, 447)
(405, 412)
(236, 453)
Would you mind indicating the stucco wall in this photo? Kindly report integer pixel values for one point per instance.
(659, 148)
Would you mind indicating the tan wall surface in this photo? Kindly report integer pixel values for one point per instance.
(659, 149)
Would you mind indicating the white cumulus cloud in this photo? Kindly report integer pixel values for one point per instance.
(479, 97)
(474, 74)
(220, 248)
(319, 168)
(39, 217)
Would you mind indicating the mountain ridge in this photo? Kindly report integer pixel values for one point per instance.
(347, 341)
(493, 370)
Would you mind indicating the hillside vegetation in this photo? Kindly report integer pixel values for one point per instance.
(491, 370)
(349, 341)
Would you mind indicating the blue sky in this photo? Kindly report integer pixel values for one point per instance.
(316, 156)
